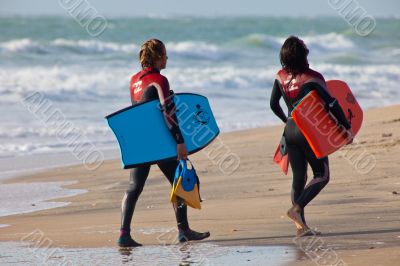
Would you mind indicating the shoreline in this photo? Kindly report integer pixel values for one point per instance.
(358, 213)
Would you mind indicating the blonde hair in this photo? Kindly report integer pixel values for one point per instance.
(150, 52)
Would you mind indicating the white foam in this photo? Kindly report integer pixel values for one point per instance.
(61, 82)
(371, 81)
(322, 42)
(20, 198)
(264, 39)
(59, 46)
(226, 77)
(195, 50)
(331, 41)
(41, 132)
(94, 46)
(74, 83)
(395, 52)
(20, 45)
(81, 92)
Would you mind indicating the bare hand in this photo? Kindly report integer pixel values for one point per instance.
(181, 151)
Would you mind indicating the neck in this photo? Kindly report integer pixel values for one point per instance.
(154, 68)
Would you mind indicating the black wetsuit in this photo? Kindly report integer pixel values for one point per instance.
(146, 90)
(299, 151)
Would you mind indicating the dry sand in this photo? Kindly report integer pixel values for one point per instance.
(358, 212)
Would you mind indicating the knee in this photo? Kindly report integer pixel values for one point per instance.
(326, 178)
(326, 174)
(133, 192)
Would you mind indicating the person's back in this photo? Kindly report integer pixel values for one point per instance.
(141, 88)
(293, 87)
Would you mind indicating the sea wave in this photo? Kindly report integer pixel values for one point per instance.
(27, 45)
(86, 96)
(328, 42)
(61, 83)
(191, 49)
(374, 85)
(43, 132)
(195, 50)
(71, 83)
(322, 42)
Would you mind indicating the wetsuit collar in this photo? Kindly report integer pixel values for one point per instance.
(149, 70)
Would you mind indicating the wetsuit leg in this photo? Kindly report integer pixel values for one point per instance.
(180, 207)
(138, 177)
(320, 168)
(300, 154)
(298, 164)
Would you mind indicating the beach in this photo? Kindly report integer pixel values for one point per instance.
(358, 212)
(58, 82)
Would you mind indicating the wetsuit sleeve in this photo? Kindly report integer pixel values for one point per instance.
(169, 111)
(274, 101)
(333, 106)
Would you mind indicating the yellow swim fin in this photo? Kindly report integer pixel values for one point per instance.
(186, 185)
(192, 198)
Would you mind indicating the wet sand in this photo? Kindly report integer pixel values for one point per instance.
(358, 212)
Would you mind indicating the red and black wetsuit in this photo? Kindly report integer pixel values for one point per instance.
(299, 151)
(148, 85)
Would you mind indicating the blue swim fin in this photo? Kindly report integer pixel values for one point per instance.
(186, 185)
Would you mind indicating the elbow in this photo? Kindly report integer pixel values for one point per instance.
(273, 106)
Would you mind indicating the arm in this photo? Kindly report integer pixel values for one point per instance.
(332, 104)
(168, 109)
(274, 101)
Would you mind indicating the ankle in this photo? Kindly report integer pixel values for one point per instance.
(297, 208)
(124, 232)
(183, 227)
(184, 230)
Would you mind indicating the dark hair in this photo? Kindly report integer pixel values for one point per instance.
(150, 52)
(293, 56)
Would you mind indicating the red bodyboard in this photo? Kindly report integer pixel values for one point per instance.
(319, 127)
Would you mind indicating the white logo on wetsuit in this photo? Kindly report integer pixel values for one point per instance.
(137, 86)
(293, 86)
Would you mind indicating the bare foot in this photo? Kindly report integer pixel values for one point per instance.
(304, 232)
(307, 231)
(294, 213)
(314, 231)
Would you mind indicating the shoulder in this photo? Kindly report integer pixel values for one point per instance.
(163, 79)
(281, 72)
(315, 74)
(315, 77)
(136, 76)
(281, 75)
(160, 80)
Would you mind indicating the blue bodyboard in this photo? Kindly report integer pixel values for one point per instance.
(143, 135)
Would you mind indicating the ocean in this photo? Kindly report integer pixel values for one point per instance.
(230, 60)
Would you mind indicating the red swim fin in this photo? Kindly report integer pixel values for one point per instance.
(281, 160)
